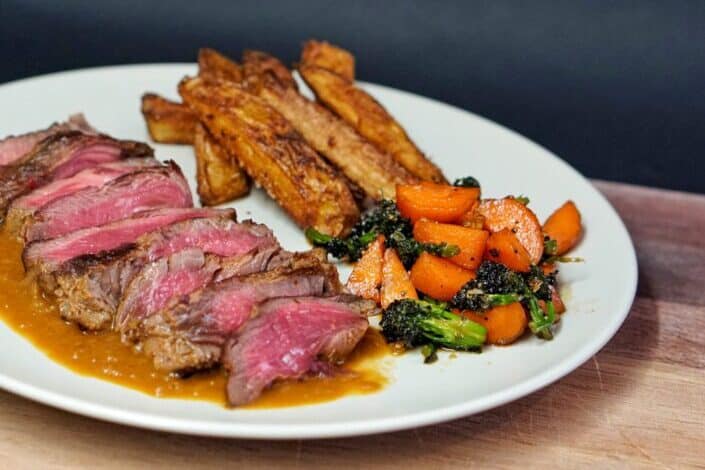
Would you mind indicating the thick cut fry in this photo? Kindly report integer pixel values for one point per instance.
(370, 119)
(214, 66)
(470, 241)
(219, 177)
(396, 284)
(168, 122)
(564, 227)
(513, 215)
(438, 277)
(260, 68)
(504, 247)
(505, 324)
(271, 152)
(366, 276)
(327, 56)
(374, 172)
(439, 202)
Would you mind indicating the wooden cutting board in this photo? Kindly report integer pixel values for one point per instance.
(639, 403)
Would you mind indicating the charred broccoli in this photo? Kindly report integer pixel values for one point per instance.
(467, 182)
(383, 219)
(495, 285)
(419, 323)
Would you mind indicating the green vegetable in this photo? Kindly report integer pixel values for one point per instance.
(421, 323)
(467, 182)
(383, 219)
(550, 246)
(496, 285)
(522, 199)
(409, 249)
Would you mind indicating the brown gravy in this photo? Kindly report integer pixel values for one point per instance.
(25, 309)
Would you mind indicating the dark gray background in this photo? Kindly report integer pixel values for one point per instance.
(616, 88)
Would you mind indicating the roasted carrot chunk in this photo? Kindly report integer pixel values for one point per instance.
(505, 324)
(508, 213)
(504, 247)
(471, 242)
(437, 277)
(366, 276)
(395, 280)
(472, 218)
(564, 227)
(439, 202)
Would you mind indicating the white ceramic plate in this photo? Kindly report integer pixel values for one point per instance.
(599, 291)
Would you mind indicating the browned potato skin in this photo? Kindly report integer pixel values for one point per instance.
(327, 56)
(273, 154)
(168, 122)
(219, 177)
(212, 65)
(260, 68)
(374, 172)
(370, 119)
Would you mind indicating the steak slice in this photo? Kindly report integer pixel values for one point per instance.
(59, 156)
(25, 206)
(90, 287)
(190, 332)
(144, 189)
(14, 147)
(43, 258)
(288, 339)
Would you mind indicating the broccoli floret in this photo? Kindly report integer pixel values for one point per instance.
(350, 248)
(539, 283)
(496, 285)
(384, 219)
(418, 323)
(409, 249)
(467, 182)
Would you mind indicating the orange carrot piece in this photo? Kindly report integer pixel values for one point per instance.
(513, 215)
(564, 227)
(505, 324)
(439, 202)
(471, 242)
(437, 277)
(549, 268)
(395, 280)
(366, 276)
(558, 304)
(472, 218)
(504, 247)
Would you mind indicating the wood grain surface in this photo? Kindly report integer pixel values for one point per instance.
(639, 403)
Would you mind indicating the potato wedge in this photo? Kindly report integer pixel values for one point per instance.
(370, 119)
(218, 175)
(258, 66)
(327, 56)
(168, 122)
(212, 65)
(273, 154)
(374, 172)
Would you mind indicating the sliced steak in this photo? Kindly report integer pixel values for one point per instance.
(25, 206)
(59, 156)
(45, 257)
(14, 147)
(287, 339)
(189, 334)
(90, 287)
(144, 189)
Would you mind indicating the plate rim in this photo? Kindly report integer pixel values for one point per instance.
(278, 431)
